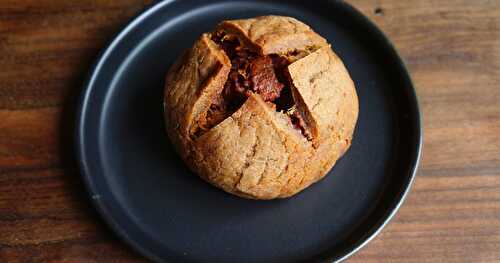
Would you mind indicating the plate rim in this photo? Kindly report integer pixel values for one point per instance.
(116, 38)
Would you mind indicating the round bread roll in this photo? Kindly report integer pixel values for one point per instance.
(260, 107)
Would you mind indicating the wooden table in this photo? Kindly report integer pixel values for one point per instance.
(452, 49)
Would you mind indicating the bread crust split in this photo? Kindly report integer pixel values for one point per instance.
(255, 149)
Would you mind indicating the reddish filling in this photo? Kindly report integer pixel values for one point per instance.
(298, 122)
(250, 72)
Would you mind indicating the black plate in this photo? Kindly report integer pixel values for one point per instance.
(149, 197)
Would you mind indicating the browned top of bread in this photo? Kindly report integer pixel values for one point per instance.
(274, 34)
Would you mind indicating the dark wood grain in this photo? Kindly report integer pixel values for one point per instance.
(452, 49)
(46, 48)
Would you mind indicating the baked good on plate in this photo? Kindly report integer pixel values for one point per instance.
(260, 107)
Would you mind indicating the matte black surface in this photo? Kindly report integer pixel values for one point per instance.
(148, 196)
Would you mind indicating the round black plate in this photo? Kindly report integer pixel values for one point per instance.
(148, 196)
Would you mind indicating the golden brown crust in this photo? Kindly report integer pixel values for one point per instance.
(190, 85)
(263, 146)
(256, 152)
(274, 34)
(325, 87)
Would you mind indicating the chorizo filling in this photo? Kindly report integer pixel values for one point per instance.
(266, 75)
